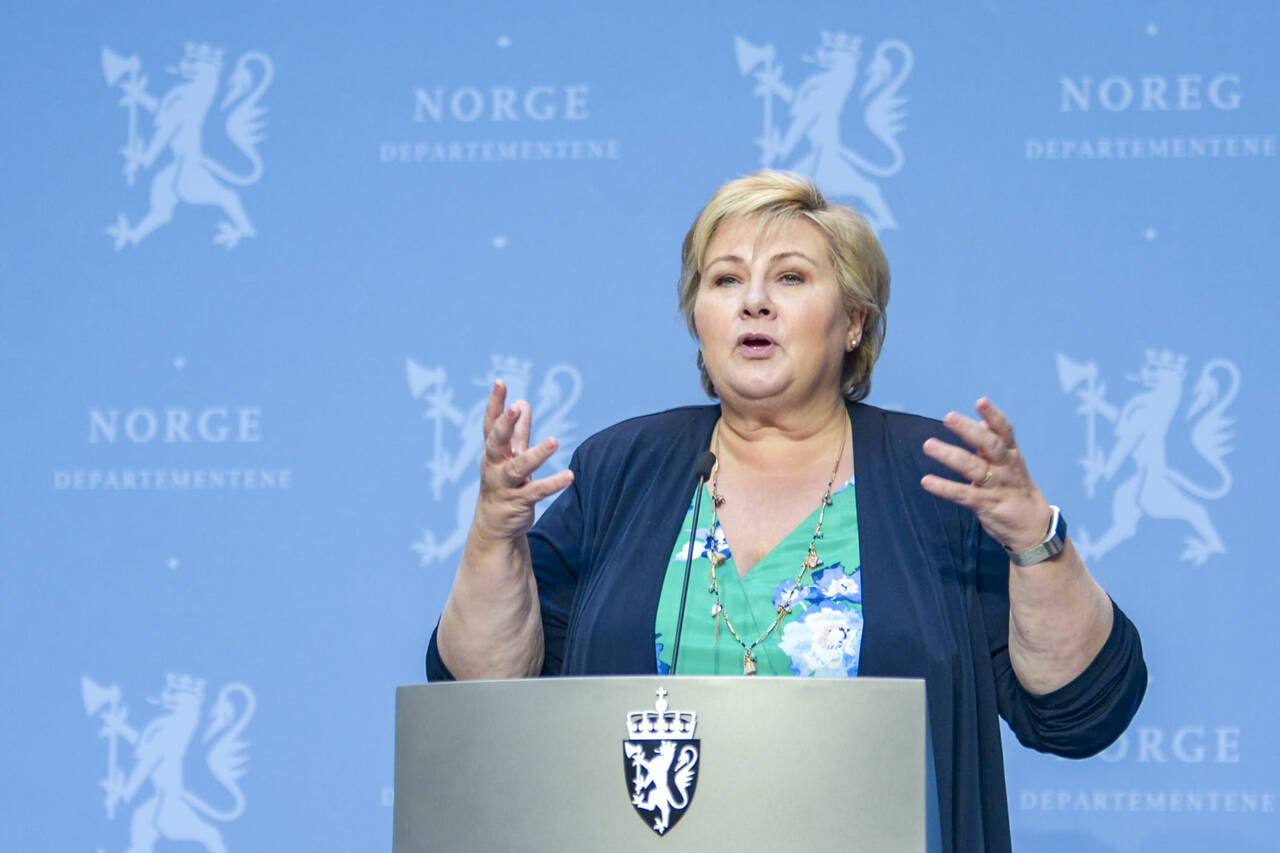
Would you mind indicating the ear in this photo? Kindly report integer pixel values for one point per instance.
(857, 317)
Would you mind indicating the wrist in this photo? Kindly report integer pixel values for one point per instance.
(1047, 547)
(495, 528)
(485, 546)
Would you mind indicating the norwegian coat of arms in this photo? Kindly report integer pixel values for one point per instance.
(660, 761)
(1138, 458)
(812, 141)
(167, 810)
(189, 174)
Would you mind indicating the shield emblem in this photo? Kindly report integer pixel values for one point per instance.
(660, 763)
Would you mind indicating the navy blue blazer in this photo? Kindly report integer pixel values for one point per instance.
(935, 595)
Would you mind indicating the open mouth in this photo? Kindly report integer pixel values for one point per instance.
(755, 342)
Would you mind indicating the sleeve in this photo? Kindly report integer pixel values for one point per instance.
(436, 670)
(1080, 718)
(557, 546)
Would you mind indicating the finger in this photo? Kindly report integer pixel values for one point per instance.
(977, 435)
(497, 399)
(548, 486)
(996, 419)
(520, 467)
(964, 463)
(961, 493)
(497, 445)
(524, 425)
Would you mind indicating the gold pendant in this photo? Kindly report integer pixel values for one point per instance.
(812, 560)
(748, 664)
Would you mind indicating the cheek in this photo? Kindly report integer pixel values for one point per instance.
(706, 320)
(821, 324)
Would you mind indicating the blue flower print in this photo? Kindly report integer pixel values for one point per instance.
(834, 585)
(664, 668)
(826, 641)
(699, 537)
(703, 543)
(786, 594)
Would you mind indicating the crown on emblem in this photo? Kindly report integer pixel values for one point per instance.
(841, 41)
(660, 723)
(1167, 360)
(184, 683)
(510, 367)
(204, 53)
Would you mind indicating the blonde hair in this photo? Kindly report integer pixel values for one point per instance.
(862, 273)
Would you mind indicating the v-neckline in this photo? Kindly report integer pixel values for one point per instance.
(807, 523)
(847, 443)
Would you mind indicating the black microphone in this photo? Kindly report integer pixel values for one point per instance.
(706, 462)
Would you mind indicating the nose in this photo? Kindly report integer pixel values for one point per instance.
(755, 299)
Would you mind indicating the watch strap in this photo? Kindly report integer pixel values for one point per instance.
(1051, 547)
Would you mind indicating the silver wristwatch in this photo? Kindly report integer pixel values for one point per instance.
(1049, 548)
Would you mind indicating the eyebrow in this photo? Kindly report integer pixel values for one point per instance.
(777, 257)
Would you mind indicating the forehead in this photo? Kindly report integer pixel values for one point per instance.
(749, 237)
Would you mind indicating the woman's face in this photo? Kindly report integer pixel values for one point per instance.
(769, 315)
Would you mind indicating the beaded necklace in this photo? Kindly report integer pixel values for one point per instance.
(810, 561)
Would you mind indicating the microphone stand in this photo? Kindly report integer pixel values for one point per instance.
(706, 462)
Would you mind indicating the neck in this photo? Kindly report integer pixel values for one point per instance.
(768, 439)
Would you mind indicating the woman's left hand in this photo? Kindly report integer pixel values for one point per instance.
(1000, 491)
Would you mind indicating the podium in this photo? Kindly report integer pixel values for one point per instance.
(604, 764)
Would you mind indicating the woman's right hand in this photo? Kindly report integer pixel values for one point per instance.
(492, 624)
(508, 492)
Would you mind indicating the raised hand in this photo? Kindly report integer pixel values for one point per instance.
(508, 492)
(1000, 490)
(492, 625)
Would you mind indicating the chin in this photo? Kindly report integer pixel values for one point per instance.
(757, 389)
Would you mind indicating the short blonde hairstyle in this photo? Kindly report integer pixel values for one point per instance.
(862, 273)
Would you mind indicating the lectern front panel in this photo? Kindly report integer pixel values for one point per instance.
(604, 764)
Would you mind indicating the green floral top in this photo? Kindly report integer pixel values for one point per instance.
(820, 636)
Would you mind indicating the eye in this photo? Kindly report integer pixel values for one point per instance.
(725, 280)
(791, 278)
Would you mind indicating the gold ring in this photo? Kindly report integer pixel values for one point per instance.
(986, 478)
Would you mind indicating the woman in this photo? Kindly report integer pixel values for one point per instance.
(786, 296)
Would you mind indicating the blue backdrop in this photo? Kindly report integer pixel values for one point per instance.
(260, 262)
